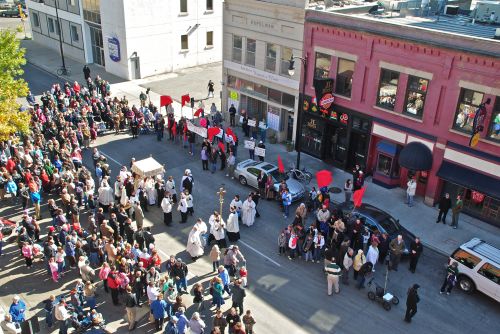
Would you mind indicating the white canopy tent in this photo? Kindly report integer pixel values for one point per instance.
(147, 167)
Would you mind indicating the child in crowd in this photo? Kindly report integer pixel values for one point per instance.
(244, 276)
(54, 269)
(249, 321)
(215, 257)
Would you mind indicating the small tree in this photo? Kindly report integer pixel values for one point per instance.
(12, 86)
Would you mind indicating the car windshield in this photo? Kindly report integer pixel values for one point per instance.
(388, 224)
(277, 176)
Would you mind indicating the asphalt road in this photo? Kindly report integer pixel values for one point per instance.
(290, 296)
(39, 81)
(285, 296)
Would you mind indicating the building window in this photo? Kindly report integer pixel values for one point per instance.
(388, 88)
(36, 19)
(184, 6)
(74, 34)
(271, 51)
(210, 38)
(494, 132)
(210, 5)
(184, 42)
(467, 106)
(250, 56)
(92, 11)
(288, 100)
(274, 95)
(322, 65)
(72, 2)
(415, 96)
(286, 54)
(53, 26)
(345, 71)
(237, 47)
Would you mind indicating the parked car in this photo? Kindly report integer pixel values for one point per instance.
(12, 12)
(378, 221)
(247, 172)
(478, 267)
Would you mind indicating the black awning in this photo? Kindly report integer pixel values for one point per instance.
(470, 179)
(416, 156)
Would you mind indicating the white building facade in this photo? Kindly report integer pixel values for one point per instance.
(260, 36)
(132, 38)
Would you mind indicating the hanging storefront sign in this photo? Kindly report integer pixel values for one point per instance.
(114, 49)
(324, 94)
(477, 197)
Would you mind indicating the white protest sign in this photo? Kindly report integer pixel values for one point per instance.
(191, 127)
(241, 119)
(261, 152)
(249, 144)
(252, 122)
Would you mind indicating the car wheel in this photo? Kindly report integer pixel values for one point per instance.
(386, 305)
(466, 284)
(243, 180)
(371, 295)
(395, 300)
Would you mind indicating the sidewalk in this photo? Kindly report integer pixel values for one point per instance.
(420, 219)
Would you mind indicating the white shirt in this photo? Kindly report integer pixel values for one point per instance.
(152, 292)
(166, 205)
(237, 204)
(61, 313)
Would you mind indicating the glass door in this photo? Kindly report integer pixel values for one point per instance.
(97, 45)
(358, 147)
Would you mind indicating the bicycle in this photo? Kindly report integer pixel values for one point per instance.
(63, 71)
(302, 175)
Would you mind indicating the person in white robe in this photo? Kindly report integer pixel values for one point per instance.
(150, 191)
(248, 212)
(194, 245)
(372, 255)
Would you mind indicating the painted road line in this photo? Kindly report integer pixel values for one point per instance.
(110, 158)
(256, 251)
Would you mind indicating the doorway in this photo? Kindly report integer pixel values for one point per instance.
(336, 145)
(358, 148)
(97, 45)
(255, 108)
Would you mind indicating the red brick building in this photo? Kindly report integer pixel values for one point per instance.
(399, 80)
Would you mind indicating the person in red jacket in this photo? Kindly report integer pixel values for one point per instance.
(114, 285)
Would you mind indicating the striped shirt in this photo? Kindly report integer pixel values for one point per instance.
(333, 269)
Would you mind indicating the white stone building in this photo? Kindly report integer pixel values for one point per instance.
(132, 38)
(259, 38)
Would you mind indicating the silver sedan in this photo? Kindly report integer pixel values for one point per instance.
(249, 170)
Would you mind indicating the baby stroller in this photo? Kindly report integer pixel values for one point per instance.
(381, 295)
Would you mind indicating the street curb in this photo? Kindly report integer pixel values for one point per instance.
(433, 248)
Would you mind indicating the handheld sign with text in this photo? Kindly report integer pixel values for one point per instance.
(249, 144)
(251, 122)
(261, 152)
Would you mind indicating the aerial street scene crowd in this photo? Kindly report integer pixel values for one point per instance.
(249, 166)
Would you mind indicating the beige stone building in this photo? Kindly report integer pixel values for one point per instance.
(259, 39)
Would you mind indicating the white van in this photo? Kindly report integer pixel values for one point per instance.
(479, 267)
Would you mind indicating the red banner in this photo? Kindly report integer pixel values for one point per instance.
(165, 100)
(357, 197)
(185, 99)
(281, 167)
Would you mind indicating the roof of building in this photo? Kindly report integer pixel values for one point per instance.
(454, 24)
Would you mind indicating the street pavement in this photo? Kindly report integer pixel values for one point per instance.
(284, 296)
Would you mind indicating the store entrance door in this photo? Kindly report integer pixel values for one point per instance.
(255, 108)
(358, 147)
(336, 145)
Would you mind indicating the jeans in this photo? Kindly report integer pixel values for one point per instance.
(63, 326)
(252, 154)
(1, 246)
(361, 281)
(317, 254)
(409, 200)
(226, 288)
(94, 259)
(215, 265)
(410, 313)
(287, 210)
(442, 213)
(181, 283)
(49, 318)
(308, 256)
(213, 167)
(170, 309)
(191, 148)
(454, 219)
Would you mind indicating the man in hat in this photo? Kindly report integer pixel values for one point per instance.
(179, 272)
(411, 302)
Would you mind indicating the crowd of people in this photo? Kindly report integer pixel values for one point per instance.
(96, 224)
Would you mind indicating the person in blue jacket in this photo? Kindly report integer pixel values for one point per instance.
(17, 309)
(182, 322)
(159, 311)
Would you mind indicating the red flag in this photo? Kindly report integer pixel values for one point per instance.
(357, 197)
(185, 99)
(222, 146)
(213, 132)
(230, 132)
(281, 167)
(198, 112)
(324, 178)
(165, 100)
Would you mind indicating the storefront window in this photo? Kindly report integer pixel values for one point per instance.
(231, 81)
(261, 89)
(274, 95)
(271, 51)
(286, 54)
(237, 47)
(384, 164)
(388, 88)
(246, 85)
(467, 106)
(322, 65)
(250, 56)
(494, 132)
(345, 71)
(415, 96)
(288, 100)
(311, 141)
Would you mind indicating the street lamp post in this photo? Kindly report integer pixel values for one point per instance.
(64, 71)
(291, 72)
(221, 194)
